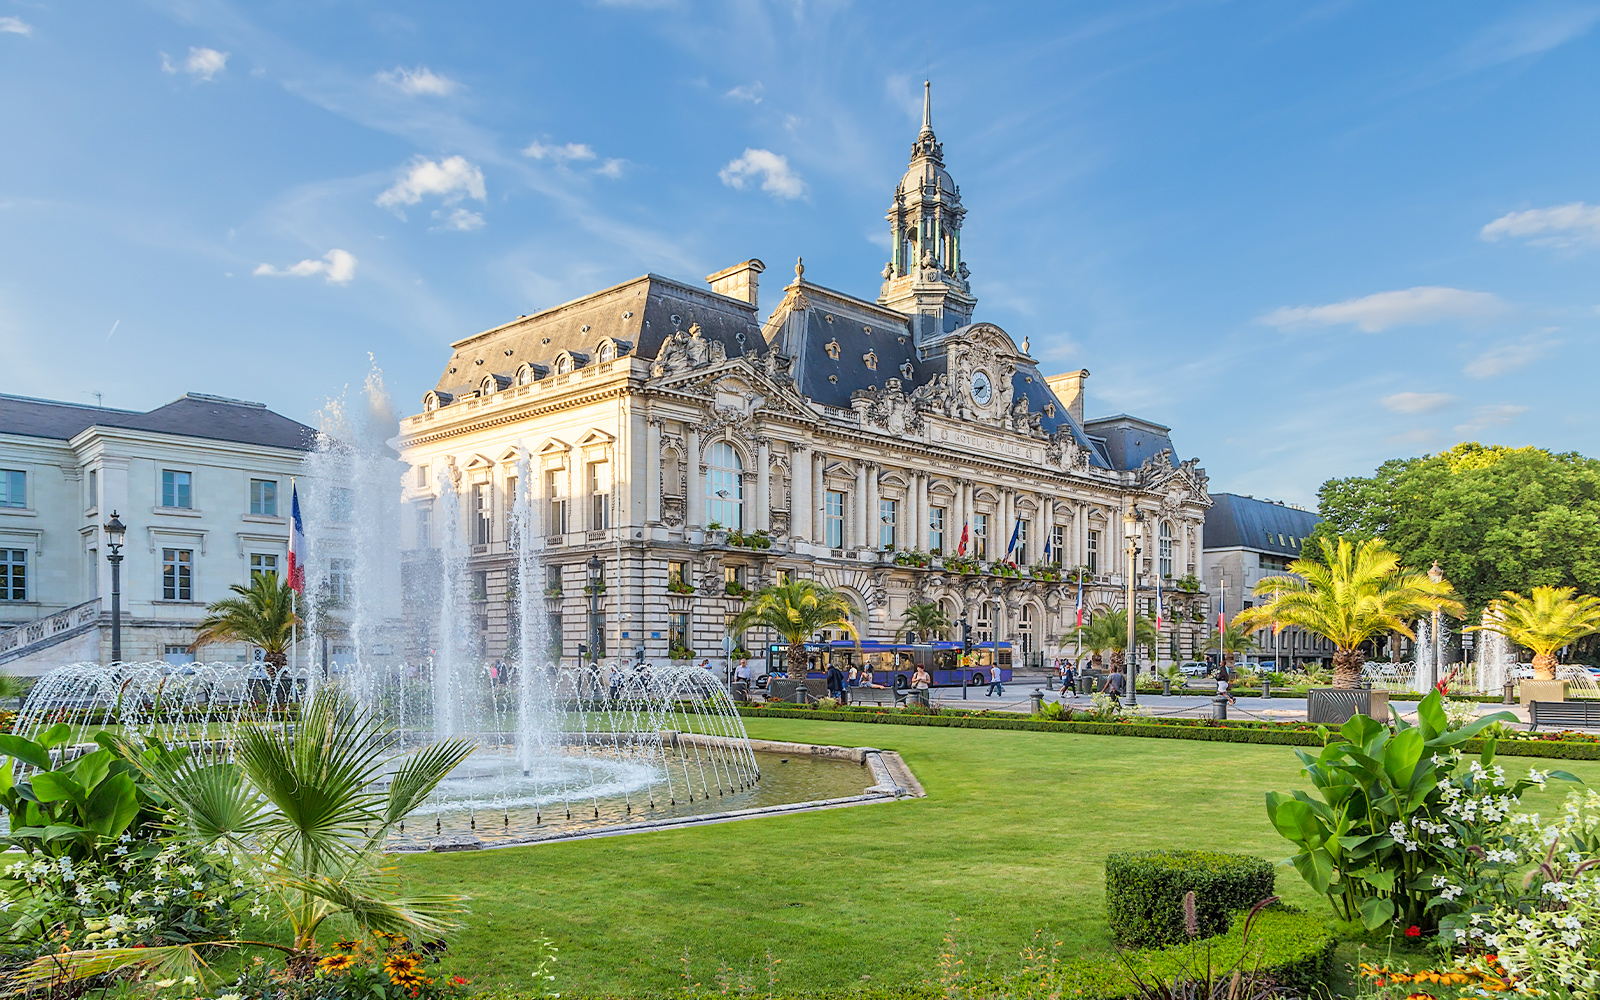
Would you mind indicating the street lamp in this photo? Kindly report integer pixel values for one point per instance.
(114, 530)
(596, 582)
(1130, 528)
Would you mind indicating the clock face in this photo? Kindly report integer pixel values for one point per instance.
(982, 390)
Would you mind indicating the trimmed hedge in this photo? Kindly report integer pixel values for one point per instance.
(1145, 890)
(1198, 730)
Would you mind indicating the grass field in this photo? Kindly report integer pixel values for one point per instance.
(1010, 841)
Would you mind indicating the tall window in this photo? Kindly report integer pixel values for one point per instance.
(599, 495)
(263, 562)
(422, 477)
(177, 574)
(833, 519)
(783, 577)
(1022, 541)
(1091, 555)
(555, 487)
(176, 488)
(1164, 548)
(980, 536)
(13, 488)
(724, 492)
(552, 580)
(264, 497)
(678, 629)
(1058, 539)
(94, 488)
(13, 574)
(1025, 631)
(984, 626)
(424, 526)
(482, 512)
(340, 584)
(676, 572)
(936, 529)
(511, 503)
(888, 520)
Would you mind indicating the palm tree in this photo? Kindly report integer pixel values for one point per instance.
(262, 615)
(1235, 640)
(1355, 594)
(928, 619)
(1108, 633)
(796, 611)
(308, 809)
(1551, 618)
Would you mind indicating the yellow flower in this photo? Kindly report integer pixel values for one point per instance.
(336, 963)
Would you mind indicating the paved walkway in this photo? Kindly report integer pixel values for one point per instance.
(1018, 698)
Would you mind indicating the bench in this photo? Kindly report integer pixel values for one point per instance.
(877, 696)
(1200, 687)
(1564, 714)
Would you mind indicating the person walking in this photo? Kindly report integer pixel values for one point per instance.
(835, 683)
(1223, 686)
(853, 678)
(1115, 685)
(1069, 681)
(996, 688)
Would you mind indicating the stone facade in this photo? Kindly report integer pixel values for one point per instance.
(671, 432)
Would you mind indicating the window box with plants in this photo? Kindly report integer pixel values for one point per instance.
(911, 557)
(680, 653)
(594, 588)
(1002, 570)
(758, 539)
(736, 590)
(552, 591)
(1188, 584)
(676, 585)
(961, 564)
(739, 654)
(1045, 571)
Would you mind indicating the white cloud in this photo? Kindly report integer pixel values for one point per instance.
(202, 63)
(458, 219)
(776, 177)
(452, 179)
(1507, 357)
(15, 26)
(747, 92)
(420, 81)
(1417, 402)
(611, 168)
(558, 154)
(1490, 416)
(1562, 226)
(1528, 34)
(1378, 312)
(337, 266)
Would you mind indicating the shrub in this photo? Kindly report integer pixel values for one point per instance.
(1145, 889)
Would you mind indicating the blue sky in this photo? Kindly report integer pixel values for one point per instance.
(1307, 236)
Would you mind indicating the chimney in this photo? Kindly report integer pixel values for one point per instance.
(1069, 389)
(738, 281)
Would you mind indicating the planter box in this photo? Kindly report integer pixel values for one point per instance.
(1336, 706)
(1532, 690)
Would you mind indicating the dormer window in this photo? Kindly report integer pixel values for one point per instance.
(906, 371)
(564, 365)
(606, 352)
(871, 359)
(833, 349)
(434, 399)
(1050, 410)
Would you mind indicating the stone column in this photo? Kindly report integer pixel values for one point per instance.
(652, 472)
(874, 519)
(763, 519)
(1043, 523)
(696, 516)
(859, 525)
(819, 498)
(919, 487)
(800, 499)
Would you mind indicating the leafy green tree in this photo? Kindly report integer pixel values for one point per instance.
(1495, 518)
(261, 614)
(1544, 622)
(796, 611)
(1353, 594)
(1107, 633)
(928, 619)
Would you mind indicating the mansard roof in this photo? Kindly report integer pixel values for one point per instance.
(639, 314)
(194, 414)
(1235, 521)
(1129, 441)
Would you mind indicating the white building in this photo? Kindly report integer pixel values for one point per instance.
(1248, 540)
(202, 484)
(700, 453)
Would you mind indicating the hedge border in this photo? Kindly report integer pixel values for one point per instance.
(1550, 749)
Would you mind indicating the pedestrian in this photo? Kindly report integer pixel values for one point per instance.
(1115, 685)
(995, 687)
(854, 677)
(835, 683)
(1222, 686)
(1069, 680)
(921, 680)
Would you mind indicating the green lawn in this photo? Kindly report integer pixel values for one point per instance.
(1010, 840)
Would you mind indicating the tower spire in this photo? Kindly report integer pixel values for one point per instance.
(927, 109)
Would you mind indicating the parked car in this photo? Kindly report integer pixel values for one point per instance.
(1521, 671)
(1194, 668)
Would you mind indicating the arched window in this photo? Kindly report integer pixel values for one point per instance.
(724, 490)
(1025, 632)
(564, 364)
(1165, 548)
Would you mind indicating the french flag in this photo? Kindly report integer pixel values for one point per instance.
(1011, 546)
(1158, 602)
(961, 549)
(297, 543)
(1080, 599)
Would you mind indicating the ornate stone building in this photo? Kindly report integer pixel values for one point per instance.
(702, 453)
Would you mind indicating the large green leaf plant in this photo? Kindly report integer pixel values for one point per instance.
(1401, 826)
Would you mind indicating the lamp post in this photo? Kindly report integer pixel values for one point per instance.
(596, 567)
(114, 530)
(1130, 528)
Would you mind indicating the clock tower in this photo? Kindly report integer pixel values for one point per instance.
(926, 278)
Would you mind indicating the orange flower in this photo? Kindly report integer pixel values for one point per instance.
(336, 963)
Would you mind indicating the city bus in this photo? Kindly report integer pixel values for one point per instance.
(892, 664)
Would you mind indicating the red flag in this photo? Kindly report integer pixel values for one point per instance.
(961, 549)
(297, 543)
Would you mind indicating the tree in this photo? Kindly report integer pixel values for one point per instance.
(1108, 633)
(1354, 593)
(262, 614)
(1548, 620)
(1236, 639)
(796, 611)
(928, 619)
(1494, 518)
(307, 808)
